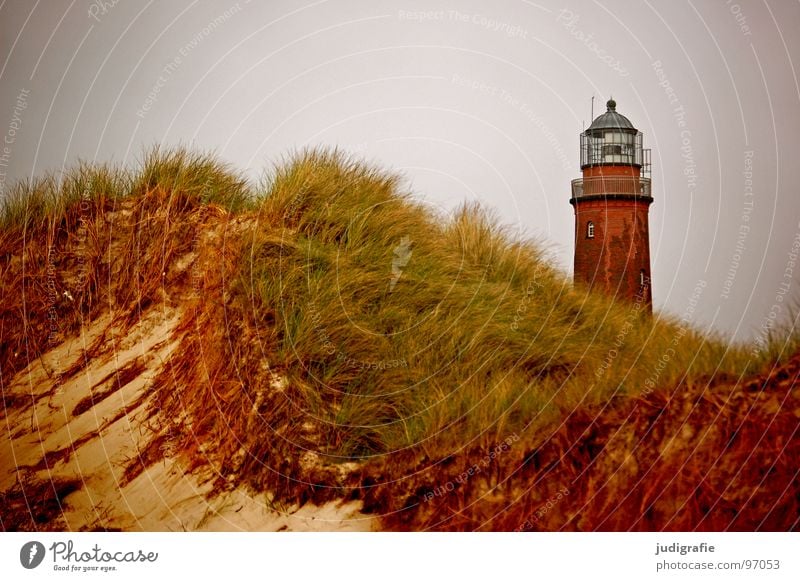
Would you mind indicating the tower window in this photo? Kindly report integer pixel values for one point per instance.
(590, 230)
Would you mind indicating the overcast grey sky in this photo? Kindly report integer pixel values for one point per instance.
(470, 100)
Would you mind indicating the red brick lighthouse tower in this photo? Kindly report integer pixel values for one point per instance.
(611, 202)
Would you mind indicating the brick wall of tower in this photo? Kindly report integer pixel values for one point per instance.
(620, 250)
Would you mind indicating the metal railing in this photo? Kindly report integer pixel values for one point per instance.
(611, 185)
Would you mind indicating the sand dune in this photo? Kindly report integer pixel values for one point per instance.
(81, 437)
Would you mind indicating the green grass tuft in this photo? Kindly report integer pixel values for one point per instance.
(404, 327)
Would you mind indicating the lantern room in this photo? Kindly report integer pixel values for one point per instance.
(612, 139)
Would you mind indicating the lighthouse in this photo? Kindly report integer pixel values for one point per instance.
(611, 203)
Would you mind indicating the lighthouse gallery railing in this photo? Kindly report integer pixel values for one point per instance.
(610, 185)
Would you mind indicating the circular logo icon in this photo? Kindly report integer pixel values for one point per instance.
(31, 554)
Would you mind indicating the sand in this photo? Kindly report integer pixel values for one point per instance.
(48, 438)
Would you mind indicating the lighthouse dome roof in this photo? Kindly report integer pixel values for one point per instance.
(611, 119)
